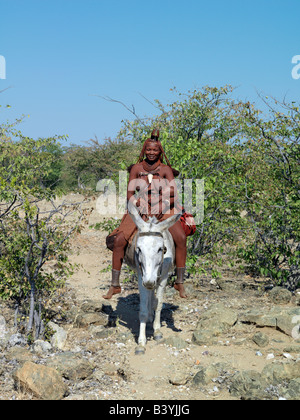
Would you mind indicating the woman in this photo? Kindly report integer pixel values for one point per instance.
(155, 181)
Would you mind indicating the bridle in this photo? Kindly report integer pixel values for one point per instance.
(150, 234)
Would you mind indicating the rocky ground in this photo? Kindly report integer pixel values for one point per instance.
(231, 339)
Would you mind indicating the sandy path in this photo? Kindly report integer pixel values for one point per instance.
(151, 374)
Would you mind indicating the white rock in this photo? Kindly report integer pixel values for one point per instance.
(270, 356)
(288, 356)
(3, 329)
(4, 333)
(58, 340)
(40, 346)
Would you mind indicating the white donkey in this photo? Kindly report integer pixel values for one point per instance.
(153, 259)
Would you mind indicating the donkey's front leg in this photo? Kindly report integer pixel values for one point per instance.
(159, 303)
(142, 335)
(142, 340)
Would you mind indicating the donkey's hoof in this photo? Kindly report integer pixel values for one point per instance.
(140, 350)
(158, 336)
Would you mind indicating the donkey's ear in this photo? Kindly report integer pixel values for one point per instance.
(135, 215)
(166, 224)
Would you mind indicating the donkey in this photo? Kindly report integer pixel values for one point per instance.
(153, 259)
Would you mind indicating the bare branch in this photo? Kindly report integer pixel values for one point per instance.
(131, 110)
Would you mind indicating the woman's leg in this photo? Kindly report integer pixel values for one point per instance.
(120, 244)
(179, 238)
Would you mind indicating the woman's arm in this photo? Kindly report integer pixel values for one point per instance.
(132, 185)
(135, 183)
(169, 193)
(168, 196)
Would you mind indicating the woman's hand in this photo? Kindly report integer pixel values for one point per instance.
(160, 209)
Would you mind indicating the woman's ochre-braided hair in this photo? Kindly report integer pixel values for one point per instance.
(155, 138)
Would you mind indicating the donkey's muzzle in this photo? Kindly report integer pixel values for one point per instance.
(149, 285)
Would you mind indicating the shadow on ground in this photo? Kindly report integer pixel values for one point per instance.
(127, 315)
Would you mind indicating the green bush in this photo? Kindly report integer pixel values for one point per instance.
(29, 236)
(250, 166)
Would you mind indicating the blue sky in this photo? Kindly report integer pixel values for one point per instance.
(59, 53)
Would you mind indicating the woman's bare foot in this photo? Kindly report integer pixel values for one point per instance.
(181, 290)
(113, 290)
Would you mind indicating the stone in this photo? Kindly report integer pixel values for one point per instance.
(288, 356)
(72, 313)
(293, 390)
(4, 334)
(288, 322)
(292, 349)
(201, 378)
(110, 369)
(3, 328)
(204, 337)
(229, 286)
(293, 280)
(217, 320)
(224, 317)
(285, 319)
(20, 354)
(99, 375)
(41, 346)
(261, 339)
(93, 318)
(175, 341)
(125, 336)
(91, 305)
(206, 374)
(277, 373)
(297, 298)
(59, 338)
(248, 385)
(43, 382)
(280, 295)
(104, 333)
(178, 378)
(260, 318)
(17, 340)
(71, 366)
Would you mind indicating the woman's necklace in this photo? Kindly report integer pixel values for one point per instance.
(150, 168)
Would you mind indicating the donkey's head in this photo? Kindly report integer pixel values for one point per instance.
(150, 247)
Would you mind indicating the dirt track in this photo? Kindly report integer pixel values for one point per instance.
(166, 371)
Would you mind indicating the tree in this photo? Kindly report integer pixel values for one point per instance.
(250, 166)
(274, 211)
(30, 236)
(84, 166)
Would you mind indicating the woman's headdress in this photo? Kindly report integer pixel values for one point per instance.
(155, 139)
